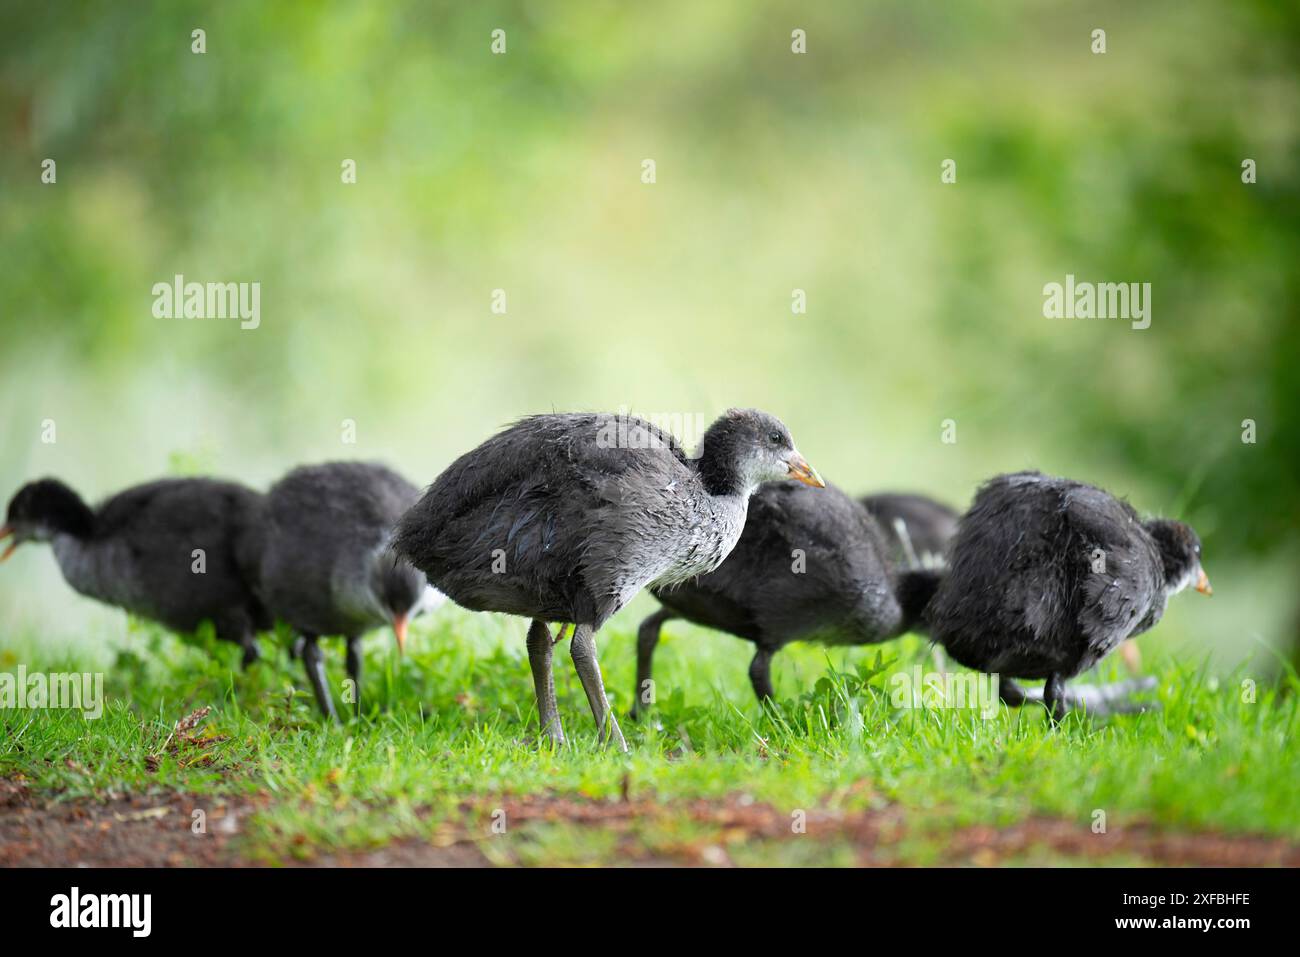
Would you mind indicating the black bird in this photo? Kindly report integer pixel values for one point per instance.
(1047, 576)
(810, 566)
(563, 518)
(176, 551)
(328, 567)
(916, 528)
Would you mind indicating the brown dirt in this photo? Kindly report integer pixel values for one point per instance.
(138, 831)
(875, 835)
(155, 830)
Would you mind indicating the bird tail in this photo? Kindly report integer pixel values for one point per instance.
(915, 588)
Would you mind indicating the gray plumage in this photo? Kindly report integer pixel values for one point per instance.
(545, 522)
(811, 565)
(563, 518)
(1047, 576)
(328, 568)
(176, 551)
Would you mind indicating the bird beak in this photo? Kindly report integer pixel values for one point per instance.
(801, 470)
(5, 532)
(1203, 583)
(399, 629)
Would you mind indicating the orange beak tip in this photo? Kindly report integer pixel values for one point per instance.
(399, 629)
(1203, 584)
(801, 471)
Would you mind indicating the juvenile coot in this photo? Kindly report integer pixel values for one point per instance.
(917, 528)
(811, 566)
(176, 551)
(328, 567)
(1048, 576)
(563, 518)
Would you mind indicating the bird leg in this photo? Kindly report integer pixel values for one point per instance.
(315, 666)
(354, 670)
(1097, 700)
(238, 628)
(1104, 700)
(539, 660)
(647, 637)
(1054, 697)
(583, 649)
(760, 675)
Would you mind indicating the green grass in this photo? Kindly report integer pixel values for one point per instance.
(450, 729)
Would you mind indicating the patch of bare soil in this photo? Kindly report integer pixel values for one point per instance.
(137, 831)
(158, 831)
(1192, 849)
(874, 835)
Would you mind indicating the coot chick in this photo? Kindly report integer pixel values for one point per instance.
(1048, 576)
(563, 518)
(175, 551)
(917, 528)
(328, 567)
(810, 566)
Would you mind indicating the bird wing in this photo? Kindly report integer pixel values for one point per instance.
(1117, 567)
(551, 497)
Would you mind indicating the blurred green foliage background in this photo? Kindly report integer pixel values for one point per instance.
(775, 171)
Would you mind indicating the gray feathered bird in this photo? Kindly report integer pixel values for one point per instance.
(563, 518)
(328, 568)
(176, 551)
(1047, 576)
(811, 565)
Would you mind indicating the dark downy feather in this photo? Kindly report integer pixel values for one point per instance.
(565, 517)
(811, 563)
(177, 551)
(1046, 577)
(327, 566)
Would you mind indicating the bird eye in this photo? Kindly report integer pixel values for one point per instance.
(774, 438)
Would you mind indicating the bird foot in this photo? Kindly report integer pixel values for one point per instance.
(610, 731)
(1104, 700)
(552, 732)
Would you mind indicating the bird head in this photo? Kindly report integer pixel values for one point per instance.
(40, 510)
(1180, 553)
(746, 447)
